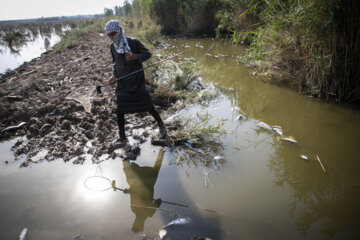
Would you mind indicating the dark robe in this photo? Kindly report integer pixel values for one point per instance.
(132, 95)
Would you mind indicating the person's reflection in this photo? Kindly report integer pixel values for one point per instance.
(141, 181)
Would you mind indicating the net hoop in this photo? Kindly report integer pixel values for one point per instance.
(98, 177)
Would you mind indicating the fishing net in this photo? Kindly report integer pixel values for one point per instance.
(98, 182)
(83, 95)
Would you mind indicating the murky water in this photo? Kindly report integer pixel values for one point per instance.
(32, 47)
(264, 190)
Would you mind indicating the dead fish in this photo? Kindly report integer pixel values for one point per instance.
(14, 127)
(289, 139)
(240, 117)
(304, 157)
(264, 125)
(22, 235)
(16, 98)
(46, 126)
(28, 73)
(219, 158)
(12, 79)
(162, 233)
(179, 221)
(278, 130)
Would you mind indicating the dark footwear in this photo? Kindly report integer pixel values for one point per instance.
(122, 135)
(121, 139)
(162, 132)
(122, 142)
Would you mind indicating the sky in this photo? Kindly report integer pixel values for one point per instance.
(25, 9)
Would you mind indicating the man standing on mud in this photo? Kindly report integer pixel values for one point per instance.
(131, 93)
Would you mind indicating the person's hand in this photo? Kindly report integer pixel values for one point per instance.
(158, 201)
(112, 80)
(130, 57)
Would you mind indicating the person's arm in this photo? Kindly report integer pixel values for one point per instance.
(141, 53)
(113, 77)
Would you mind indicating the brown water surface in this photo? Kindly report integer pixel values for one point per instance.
(264, 190)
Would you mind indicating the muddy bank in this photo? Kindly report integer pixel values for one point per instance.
(34, 106)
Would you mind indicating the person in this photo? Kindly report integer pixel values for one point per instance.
(131, 93)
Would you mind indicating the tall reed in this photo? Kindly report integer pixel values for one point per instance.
(316, 42)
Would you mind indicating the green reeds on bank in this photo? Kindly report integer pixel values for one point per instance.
(314, 43)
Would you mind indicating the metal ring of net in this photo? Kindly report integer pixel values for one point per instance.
(95, 187)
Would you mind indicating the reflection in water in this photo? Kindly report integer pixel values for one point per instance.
(14, 40)
(23, 42)
(322, 205)
(141, 181)
(326, 198)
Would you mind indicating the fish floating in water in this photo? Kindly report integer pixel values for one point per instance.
(219, 158)
(289, 139)
(13, 127)
(240, 117)
(304, 157)
(23, 233)
(162, 233)
(278, 130)
(179, 221)
(264, 126)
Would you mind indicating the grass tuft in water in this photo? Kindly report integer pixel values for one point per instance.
(201, 141)
(186, 77)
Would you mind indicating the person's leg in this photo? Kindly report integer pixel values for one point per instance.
(156, 115)
(121, 124)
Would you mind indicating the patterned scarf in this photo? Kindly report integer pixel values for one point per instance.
(120, 42)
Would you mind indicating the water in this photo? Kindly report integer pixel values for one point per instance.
(264, 189)
(30, 49)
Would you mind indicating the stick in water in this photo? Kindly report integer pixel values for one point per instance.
(322, 166)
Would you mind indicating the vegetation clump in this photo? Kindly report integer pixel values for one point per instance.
(201, 140)
(313, 44)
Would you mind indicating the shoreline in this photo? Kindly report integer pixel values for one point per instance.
(33, 101)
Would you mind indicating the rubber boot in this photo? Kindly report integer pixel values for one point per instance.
(122, 136)
(162, 132)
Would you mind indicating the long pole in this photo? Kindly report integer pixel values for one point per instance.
(98, 87)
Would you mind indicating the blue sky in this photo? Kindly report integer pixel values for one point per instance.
(24, 9)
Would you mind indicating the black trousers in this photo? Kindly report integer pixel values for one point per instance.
(121, 120)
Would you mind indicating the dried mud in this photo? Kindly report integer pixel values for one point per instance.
(33, 99)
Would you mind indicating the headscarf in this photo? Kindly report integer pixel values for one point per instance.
(120, 42)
